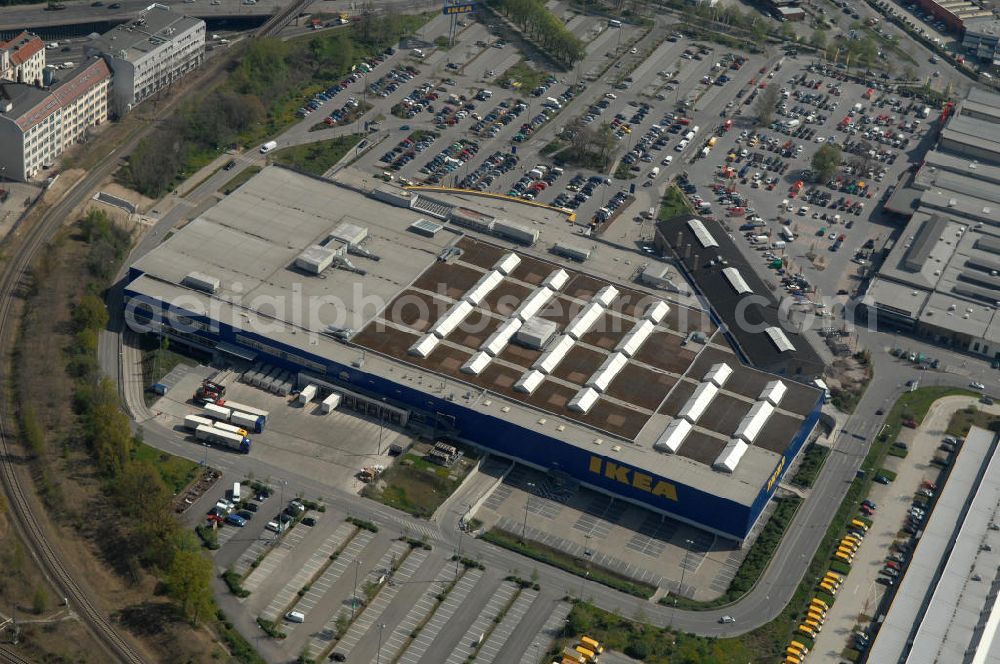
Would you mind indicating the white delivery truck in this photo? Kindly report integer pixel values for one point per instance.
(267, 147)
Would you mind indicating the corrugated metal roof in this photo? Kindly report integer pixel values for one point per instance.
(530, 381)
(507, 264)
(556, 280)
(700, 232)
(731, 455)
(607, 371)
(754, 421)
(534, 303)
(452, 319)
(477, 363)
(779, 339)
(424, 346)
(497, 341)
(657, 311)
(699, 402)
(483, 287)
(551, 358)
(673, 436)
(584, 400)
(736, 280)
(719, 374)
(633, 340)
(584, 320)
(773, 392)
(605, 296)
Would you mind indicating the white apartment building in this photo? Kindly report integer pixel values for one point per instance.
(149, 53)
(22, 59)
(37, 124)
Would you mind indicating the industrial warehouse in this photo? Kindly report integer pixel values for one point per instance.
(455, 318)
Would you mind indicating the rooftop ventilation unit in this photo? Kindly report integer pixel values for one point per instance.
(200, 281)
(424, 346)
(497, 341)
(773, 392)
(718, 374)
(507, 264)
(673, 436)
(699, 402)
(608, 371)
(556, 353)
(534, 303)
(657, 311)
(477, 363)
(556, 280)
(584, 320)
(536, 333)
(584, 400)
(314, 259)
(731, 455)
(529, 382)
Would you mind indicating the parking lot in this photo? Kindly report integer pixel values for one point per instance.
(879, 561)
(623, 538)
(758, 180)
(352, 590)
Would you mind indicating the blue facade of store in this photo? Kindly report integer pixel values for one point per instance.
(448, 418)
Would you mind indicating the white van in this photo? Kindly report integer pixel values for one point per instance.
(680, 146)
(615, 23)
(295, 617)
(267, 147)
(655, 172)
(667, 160)
(417, 53)
(236, 492)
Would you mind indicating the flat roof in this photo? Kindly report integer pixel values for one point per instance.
(152, 28)
(940, 609)
(250, 240)
(973, 133)
(759, 309)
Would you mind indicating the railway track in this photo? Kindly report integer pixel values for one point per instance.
(25, 519)
(277, 23)
(28, 524)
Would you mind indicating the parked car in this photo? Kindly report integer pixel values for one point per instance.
(236, 520)
(881, 479)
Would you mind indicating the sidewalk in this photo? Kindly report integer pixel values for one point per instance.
(860, 594)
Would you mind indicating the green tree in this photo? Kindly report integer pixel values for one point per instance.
(825, 162)
(40, 600)
(767, 101)
(189, 583)
(818, 39)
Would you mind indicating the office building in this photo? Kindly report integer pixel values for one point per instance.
(149, 53)
(37, 124)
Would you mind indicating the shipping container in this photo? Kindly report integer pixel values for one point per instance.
(233, 441)
(307, 394)
(249, 421)
(192, 422)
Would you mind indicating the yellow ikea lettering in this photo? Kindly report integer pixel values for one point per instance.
(638, 480)
(616, 472)
(776, 473)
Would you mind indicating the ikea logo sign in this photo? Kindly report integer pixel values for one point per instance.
(776, 474)
(633, 478)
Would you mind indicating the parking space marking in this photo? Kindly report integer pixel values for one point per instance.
(372, 612)
(275, 558)
(498, 497)
(421, 609)
(246, 560)
(498, 637)
(572, 548)
(286, 596)
(445, 611)
(546, 636)
(467, 645)
(225, 533)
(331, 575)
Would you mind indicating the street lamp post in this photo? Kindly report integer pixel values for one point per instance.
(378, 654)
(354, 597)
(687, 550)
(524, 525)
